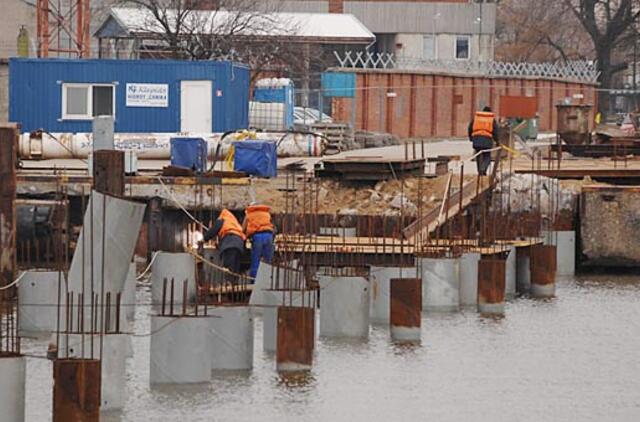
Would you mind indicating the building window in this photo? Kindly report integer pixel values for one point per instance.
(462, 47)
(85, 101)
(429, 47)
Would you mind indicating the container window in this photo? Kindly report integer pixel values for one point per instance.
(103, 100)
(84, 101)
(462, 47)
(77, 101)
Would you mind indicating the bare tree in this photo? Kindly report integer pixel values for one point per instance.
(540, 31)
(609, 23)
(248, 31)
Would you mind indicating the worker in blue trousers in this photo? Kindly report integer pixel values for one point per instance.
(260, 230)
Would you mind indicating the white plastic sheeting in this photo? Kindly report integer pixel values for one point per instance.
(114, 224)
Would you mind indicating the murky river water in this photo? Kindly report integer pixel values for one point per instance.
(576, 357)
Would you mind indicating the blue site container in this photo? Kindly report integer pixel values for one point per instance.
(257, 158)
(37, 90)
(189, 153)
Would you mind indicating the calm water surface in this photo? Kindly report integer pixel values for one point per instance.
(576, 357)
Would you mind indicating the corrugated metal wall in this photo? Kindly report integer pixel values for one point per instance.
(431, 105)
(35, 92)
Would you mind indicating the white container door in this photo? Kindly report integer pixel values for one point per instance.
(195, 107)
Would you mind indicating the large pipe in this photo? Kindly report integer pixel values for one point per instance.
(156, 146)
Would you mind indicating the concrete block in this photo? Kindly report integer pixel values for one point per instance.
(180, 351)
(180, 267)
(13, 372)
(440, 284)
(344, 306)
(230, 338)
(469, 279)
(38, 302)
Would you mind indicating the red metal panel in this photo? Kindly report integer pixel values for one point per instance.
(76, 390)
(491, 280)
(543, 264)
(406, 302)
(518, 106)
(296, 337)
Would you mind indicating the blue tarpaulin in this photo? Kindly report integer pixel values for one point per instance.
(189, 153)
(257, 158)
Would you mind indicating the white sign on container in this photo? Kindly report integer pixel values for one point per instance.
(147, 95)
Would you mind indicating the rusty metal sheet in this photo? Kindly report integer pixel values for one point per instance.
(76, 390)
(518, 106)
(8, 148)
(543, 264)
(491, 280)
(406, 302)
(296, 336)
(108, 172)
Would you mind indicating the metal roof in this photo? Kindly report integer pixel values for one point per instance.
(299, 27)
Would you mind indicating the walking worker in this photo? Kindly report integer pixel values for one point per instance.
(483, 132)
(231, 239)
(260, 230)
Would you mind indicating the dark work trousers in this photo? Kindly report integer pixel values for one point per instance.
(482, 161)
(231, 261)
(481, 143)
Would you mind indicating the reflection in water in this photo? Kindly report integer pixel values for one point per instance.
(571, 358)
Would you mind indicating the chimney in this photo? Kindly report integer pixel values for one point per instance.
(336, 6)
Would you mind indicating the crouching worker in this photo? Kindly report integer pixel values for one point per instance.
(259, 229)
(230, 240)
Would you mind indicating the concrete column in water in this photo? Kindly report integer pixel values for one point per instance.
(272, 299)
(12, 386)
(296, 338)
(230, 338)
(179, 266)
(129, 294)
(115, 350)
(406, 309)
(543, 271)
(76, 390)
(469, 279)
(379, 280)
(511, 273)
(38, 302)
(523, 269)
(440, 284)
(344, 306)
(565, 252)
(180, 350)
(491, 286)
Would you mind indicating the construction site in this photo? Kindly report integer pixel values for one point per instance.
(180, 239)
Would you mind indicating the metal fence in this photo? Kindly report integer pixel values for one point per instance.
(578, 71)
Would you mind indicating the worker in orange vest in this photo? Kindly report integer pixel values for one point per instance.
(259, 229)
(231, 239)
(483, 132)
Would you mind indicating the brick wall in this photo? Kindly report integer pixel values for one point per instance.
(430, 105)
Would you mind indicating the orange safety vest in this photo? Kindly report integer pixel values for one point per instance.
(483, 124)
(258, 219)
(230, 225)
